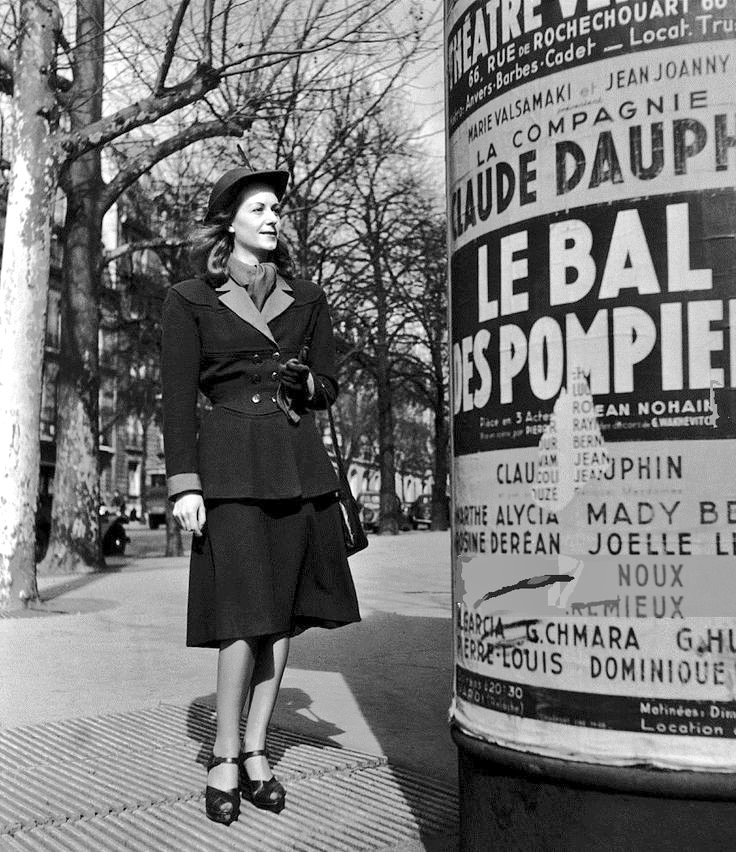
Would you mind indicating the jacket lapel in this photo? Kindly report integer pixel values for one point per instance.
(237, 299)
(278, 301)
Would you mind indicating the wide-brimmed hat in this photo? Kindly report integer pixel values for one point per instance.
(228, 187)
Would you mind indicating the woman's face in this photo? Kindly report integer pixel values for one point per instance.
(256, 223)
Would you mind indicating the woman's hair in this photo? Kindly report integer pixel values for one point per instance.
(211, 245)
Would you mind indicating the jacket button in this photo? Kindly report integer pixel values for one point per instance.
(256, 398)
(274, 375)
(276, 356)
(255, 378)
(256, 358)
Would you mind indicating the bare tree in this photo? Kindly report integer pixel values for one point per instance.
(221, 69)
(75, 539)
(423, 369)
(384, 266)
(369, 315)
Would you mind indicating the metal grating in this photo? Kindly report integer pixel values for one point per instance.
(135, 781)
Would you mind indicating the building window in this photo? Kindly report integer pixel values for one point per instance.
(105, 481)
(107, 421)
(53, 320)
(106, 342)
(134, 479)
(134, 434)
(57, 252)
(49, 399)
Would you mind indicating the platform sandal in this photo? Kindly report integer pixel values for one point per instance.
(222, 805)
(268, 795)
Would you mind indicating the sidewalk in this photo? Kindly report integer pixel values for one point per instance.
(101, 701)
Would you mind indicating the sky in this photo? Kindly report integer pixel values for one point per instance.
(425, 88)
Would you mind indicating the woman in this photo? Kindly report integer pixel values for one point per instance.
(252, 481)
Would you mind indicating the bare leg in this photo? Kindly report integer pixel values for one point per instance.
(235, 665)
(273, 651)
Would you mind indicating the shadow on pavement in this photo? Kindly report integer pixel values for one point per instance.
(392, 681)
(49, 593)
(201, 718)
(397, 669)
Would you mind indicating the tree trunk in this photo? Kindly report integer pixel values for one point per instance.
(174, 546)
(389, 522)
(75, 533)
(24, 282)
(441, 466)
(143, 496)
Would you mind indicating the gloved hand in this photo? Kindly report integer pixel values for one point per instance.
(294, 376)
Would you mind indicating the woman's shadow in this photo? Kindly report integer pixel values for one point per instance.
(201, 725)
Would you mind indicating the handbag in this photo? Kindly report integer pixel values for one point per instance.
(352, 529)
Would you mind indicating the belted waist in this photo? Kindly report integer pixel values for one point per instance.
(251, 384)
(251, 398)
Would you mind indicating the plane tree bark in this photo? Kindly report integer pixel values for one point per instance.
(23, 293)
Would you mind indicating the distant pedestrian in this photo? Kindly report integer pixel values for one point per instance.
(255, 485)
(118, 502)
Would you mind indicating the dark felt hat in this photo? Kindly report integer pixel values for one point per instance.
(228, 187)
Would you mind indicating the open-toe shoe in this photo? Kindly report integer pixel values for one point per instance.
(222, 805)
(268, 795)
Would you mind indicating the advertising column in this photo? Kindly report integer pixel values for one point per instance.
(591, 175)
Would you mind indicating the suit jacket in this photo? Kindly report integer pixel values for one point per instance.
(217, 341)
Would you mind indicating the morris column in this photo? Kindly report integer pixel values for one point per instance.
(591, 151)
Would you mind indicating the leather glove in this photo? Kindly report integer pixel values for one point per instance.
(294, 377)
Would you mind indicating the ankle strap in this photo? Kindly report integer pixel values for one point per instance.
(257, 753)
(215, 760)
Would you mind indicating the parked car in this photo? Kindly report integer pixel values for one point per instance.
(370, 511)
(112, 530)
(420, 513)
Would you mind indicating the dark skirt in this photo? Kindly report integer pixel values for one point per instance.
(264, 567)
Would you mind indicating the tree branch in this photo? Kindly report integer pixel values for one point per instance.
(206, 130)
(207, 49)
(144, 111)
(139, 245)
(158, 89)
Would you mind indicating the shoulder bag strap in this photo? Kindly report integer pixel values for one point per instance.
(333, 435)
(307, 345)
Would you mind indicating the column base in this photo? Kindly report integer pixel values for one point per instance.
(511, 800)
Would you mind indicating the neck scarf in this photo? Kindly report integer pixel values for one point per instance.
(258, 280)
